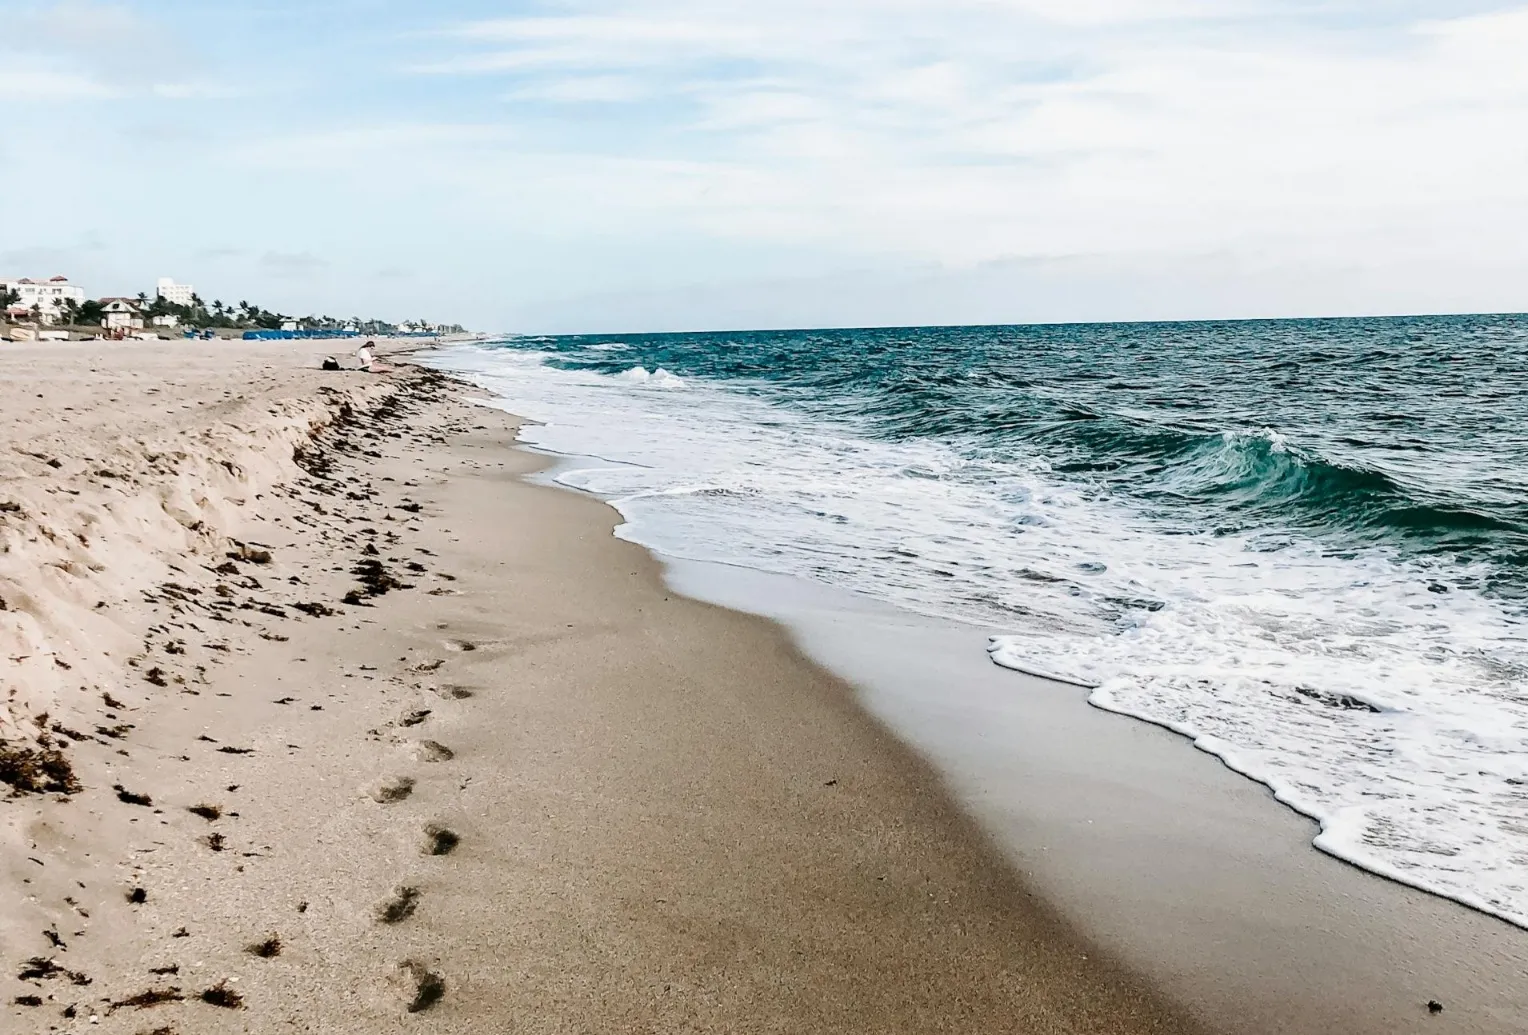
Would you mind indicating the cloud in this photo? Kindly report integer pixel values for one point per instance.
(41, 84)
(967, 130)
(292, 264)
(78, 49)
(592, 89)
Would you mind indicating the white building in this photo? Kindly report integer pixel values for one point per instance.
(176, 294)
(120, 314)
(44, 298)
(170, 321)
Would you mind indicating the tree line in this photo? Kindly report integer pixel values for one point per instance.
(217, 316)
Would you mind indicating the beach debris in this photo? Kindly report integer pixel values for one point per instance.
(28, 1000)
(216, 842)
(42, 968)
(399, 906)
(173, 968)
(37, 770)
(433, 751)
(156, 676)
(315, 610)
(454, 692)
(1433, 1006)
(128, 797)
(376, 580)
(207, 812)
(266, 950)
(236, 751)
(137, 896)
(394, 790)
(423, 988)
(415, 717)
(439, 840)
(147, 1000)
(221, 995)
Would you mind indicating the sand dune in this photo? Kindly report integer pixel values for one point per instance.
(113, 487)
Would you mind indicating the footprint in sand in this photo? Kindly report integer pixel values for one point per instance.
(399, 906)
(433, 751)
(422, 988)
(439, 840)
(393, 790)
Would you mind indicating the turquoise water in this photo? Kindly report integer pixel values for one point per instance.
(1407, 434)
(1303, 544)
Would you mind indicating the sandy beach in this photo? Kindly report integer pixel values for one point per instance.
(320, 717)
(362, 733)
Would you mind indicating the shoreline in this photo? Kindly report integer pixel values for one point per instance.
(1207, 883)
(516, 779)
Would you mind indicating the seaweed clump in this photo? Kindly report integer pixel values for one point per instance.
(42, 769)
(221, 995)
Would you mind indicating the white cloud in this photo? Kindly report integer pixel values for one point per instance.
(39, 84)
(962, 132)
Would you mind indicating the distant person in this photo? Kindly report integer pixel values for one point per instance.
(369, 362)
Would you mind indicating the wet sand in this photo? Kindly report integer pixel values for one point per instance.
(1190, 873)
(369, 735)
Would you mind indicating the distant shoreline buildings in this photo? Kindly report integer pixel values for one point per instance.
(30, 305)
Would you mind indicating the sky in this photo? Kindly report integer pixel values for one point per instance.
(629, 165)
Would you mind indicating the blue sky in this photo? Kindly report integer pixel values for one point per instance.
(603, 165)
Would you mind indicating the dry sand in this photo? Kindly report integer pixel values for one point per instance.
(514, 784)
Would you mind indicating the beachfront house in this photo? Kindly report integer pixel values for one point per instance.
(46, 301)
(175, 294)
(120, 314)
(169, 320)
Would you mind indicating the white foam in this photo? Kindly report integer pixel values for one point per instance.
(1215, 637)
(659, 378)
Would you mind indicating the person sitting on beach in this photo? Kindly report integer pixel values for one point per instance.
(365, 356)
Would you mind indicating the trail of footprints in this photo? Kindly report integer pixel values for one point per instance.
(421, 987)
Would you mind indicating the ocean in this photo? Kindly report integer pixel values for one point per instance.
(1302, 544)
